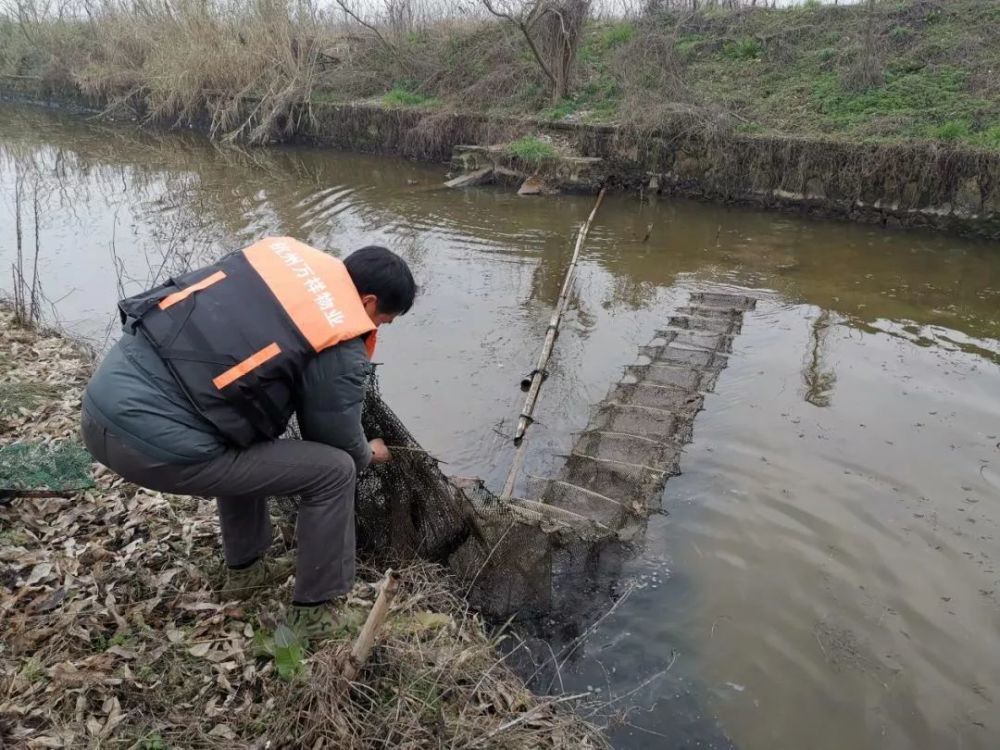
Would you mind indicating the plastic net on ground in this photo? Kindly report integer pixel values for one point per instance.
(62, 466)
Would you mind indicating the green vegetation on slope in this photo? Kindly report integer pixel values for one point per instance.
(892, 71)
(530, 149)
(401, 96)
(934, 70)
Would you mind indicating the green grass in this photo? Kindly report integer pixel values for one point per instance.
(951, 131)
(600, 42)
(929, 103)
(934, 62)
(988, 138)
(743, 49)
(152, 741)
(686, 45)
(121, 639)
(613, 35)
(598, 99)
(531, 149)
(561, 111)
(400, 96)
(827, 54)
(33, 670)
(286, 647)
(910, 93)
(901, 35)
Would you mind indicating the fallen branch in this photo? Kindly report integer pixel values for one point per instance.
(6, 495)
(376, 618)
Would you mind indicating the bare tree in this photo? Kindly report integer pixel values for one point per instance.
(398, 14)
(552, 29)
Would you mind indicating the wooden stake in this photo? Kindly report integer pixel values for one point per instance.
(376, 618)
(533, 383)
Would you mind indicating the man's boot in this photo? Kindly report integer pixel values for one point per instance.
(264, 573)
(321, 622)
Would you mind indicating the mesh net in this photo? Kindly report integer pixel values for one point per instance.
(511, 555)
(554, 549)
(32, 465)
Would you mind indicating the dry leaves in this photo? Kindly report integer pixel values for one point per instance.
(111, 634)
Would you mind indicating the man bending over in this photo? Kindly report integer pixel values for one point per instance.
(194, 398)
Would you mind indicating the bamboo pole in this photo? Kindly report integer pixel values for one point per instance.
(533, 383)
(554, 513)
(366, 639)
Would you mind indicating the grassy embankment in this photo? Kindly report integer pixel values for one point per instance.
(890, 72)
(111, 635)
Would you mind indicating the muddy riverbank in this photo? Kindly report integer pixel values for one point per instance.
(954, 189)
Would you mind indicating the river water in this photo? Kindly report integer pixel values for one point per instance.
(826, 576)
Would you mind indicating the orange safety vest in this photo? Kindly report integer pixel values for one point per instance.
(238, 334)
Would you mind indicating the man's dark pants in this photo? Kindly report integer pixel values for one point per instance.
(242, 480)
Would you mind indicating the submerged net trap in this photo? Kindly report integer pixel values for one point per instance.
(550, 551)
(509, 553)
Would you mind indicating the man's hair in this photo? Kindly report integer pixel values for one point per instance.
(379, 271)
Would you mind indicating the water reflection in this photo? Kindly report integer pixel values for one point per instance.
(818, 376)
(832, 542)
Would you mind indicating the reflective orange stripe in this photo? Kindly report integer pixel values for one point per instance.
(183, 294)
(253, 361)
(314, 288)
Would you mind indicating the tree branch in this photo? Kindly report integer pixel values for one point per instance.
(371, 27)
(525, 26)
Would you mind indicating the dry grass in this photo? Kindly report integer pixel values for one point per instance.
(112, 636)
(248, 69)
(182, 63)
(891, 71)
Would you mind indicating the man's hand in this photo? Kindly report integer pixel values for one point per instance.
(380, 454)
